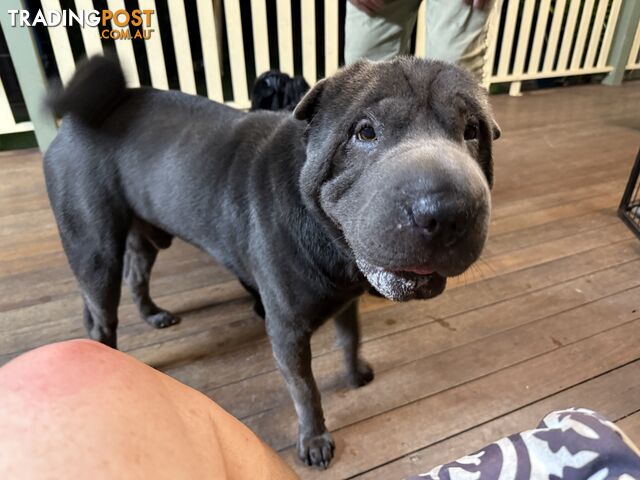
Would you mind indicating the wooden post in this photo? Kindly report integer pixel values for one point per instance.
(31, 77)
(30, 73)
(622, 41)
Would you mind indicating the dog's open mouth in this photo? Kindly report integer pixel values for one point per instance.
(402, 285)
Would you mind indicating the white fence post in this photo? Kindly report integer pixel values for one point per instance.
(634, 56)
(30, 73)
(623, 41)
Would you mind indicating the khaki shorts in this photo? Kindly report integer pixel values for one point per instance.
(455, 32)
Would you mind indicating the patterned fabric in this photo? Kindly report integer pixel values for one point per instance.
(572, 444)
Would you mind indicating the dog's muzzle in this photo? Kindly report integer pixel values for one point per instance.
(403, 285)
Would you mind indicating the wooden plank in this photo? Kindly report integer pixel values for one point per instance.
(60, 43)
(537, 185)
(153, 46)
(209, 39)
(540, 253)
(90, 35)
(417, 424)
(236, 52)
(499, 264)
(203, 288)
(177, 300)
(170, 279)
(589, 176)
(630, 425)
(260, 36)
(401, 360)
(554, 35)
(381, 318)
(180, 33)
(571, 184)
(546, 232)
(589, 187)
(308, 24)
(594, 394)
(133, 332)
(124, 48)
(544, 215)
(576, 107)
(285, 36)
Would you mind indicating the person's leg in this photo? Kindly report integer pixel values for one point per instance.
(457, 33)
(382, 36)
(79, 409)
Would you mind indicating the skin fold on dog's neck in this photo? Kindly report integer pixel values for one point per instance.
(312, 177)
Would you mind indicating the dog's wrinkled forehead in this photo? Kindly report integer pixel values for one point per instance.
(413, 84)
(424, 85)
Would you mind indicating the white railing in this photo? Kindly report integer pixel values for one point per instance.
(8, 123)
(634, 56)
(540, 39)
(567, 37)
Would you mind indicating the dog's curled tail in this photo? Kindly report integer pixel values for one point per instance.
(96, 88)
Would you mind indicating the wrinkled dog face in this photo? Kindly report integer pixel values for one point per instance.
(399, 161)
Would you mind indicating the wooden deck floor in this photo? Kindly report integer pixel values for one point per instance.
(550, 318)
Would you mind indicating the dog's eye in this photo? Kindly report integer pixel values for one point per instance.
(366, 133)
(471, 131)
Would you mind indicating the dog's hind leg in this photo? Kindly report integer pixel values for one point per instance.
(359, 372)
(143, 242)
(258, 308)
(96, 260)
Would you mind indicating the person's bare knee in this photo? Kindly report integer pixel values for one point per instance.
(57, 367)
(79, 409)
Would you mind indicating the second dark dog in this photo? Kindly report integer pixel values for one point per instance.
(380, 177)
(274, 90)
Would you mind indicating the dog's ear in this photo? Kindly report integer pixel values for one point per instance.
(496, 132)
(308, 106)
(294, 91)
(489, 131)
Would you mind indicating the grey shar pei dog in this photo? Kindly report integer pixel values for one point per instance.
(380, 177)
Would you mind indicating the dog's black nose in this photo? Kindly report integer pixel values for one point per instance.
(442, 221)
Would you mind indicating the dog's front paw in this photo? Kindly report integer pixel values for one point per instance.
(162, 319)
(362, 375)
(316, 451)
